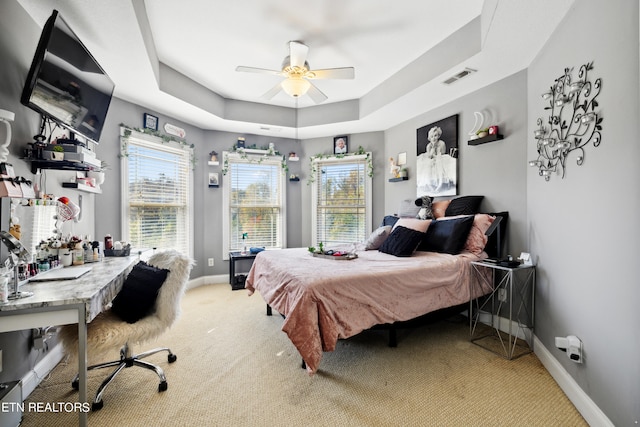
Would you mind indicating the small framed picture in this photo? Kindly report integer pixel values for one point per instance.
(214, 179)
(402, 159)
(341, 145)
(150, 122)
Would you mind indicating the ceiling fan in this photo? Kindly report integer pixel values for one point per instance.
(298, 73)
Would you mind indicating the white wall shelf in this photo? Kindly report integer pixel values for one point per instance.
(82, 187)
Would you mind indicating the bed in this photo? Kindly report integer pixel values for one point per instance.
(323, 300)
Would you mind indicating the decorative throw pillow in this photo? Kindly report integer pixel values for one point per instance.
(464, 205)
(439, 208)
(139, 292)
(402, 242)
(447, 235)
(420, 225)
(477, 240)
(408, 209)
(389, 220)
(425, 211)
(378, 237)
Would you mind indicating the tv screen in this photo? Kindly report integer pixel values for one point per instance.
(65, 83)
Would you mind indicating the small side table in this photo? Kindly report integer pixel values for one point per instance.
(513, 296)
(233, 258)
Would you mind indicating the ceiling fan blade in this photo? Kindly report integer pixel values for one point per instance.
(258, 70)
(272, 92)
(316, 95)
(298, 54)
(333, 73)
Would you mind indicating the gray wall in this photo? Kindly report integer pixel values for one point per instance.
(19, 36)
(494, 170)
(583, 229)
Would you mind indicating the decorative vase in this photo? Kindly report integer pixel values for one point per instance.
(57, 155)
(97, 176)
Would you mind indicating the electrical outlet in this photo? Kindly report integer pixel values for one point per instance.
(210, 262)
(502, 295)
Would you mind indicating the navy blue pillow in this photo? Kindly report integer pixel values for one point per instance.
(389, 220)
(139, 292)
(447, 235)
(402, 241)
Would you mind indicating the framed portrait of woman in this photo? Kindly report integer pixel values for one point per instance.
(341, 145)
(437, 161)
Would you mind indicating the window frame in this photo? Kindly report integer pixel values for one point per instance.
(129, 136)
(259, 157)
(368, 188)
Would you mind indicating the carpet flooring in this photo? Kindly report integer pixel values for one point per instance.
(236, 367)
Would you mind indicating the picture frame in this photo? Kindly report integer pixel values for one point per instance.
(150, 121)
(437, 158)
(341, 144)
(214, 179)
(402, 159)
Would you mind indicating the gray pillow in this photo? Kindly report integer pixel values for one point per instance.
(378, 237)
(408, 209)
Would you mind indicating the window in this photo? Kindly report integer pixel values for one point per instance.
(254, 202)
(341, 200)
(157, 192)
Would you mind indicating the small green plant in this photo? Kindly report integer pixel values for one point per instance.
(318, 250)
(58, 148)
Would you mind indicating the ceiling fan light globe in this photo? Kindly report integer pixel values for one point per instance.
(295, 87)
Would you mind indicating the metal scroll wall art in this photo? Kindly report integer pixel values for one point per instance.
(573, 122)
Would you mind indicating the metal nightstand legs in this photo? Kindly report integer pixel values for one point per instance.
(502, 321)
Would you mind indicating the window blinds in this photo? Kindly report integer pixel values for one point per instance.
(158, 196)
(255, 203)
(341, 201)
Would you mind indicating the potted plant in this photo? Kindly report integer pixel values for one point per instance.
(57, 153)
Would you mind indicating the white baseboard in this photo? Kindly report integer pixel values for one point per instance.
(583, 403)
(32, 378)
(208, 280)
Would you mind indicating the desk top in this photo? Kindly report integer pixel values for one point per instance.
(96, 289)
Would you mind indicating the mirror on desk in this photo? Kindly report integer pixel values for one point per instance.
(37, 223)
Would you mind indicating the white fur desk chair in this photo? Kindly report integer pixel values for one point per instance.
(108, 331)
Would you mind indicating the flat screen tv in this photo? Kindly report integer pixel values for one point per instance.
(65, 83)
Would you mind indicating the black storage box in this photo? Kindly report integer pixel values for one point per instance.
(238, 282)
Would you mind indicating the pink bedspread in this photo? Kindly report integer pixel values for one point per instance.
(324, 300)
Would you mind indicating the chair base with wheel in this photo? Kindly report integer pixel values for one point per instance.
(126, 361)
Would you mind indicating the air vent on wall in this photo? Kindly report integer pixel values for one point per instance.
(459, 75)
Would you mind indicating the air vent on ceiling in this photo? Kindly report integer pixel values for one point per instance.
(270, 129)
(462, 74)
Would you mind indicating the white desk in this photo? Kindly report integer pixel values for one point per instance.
(64, 302)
